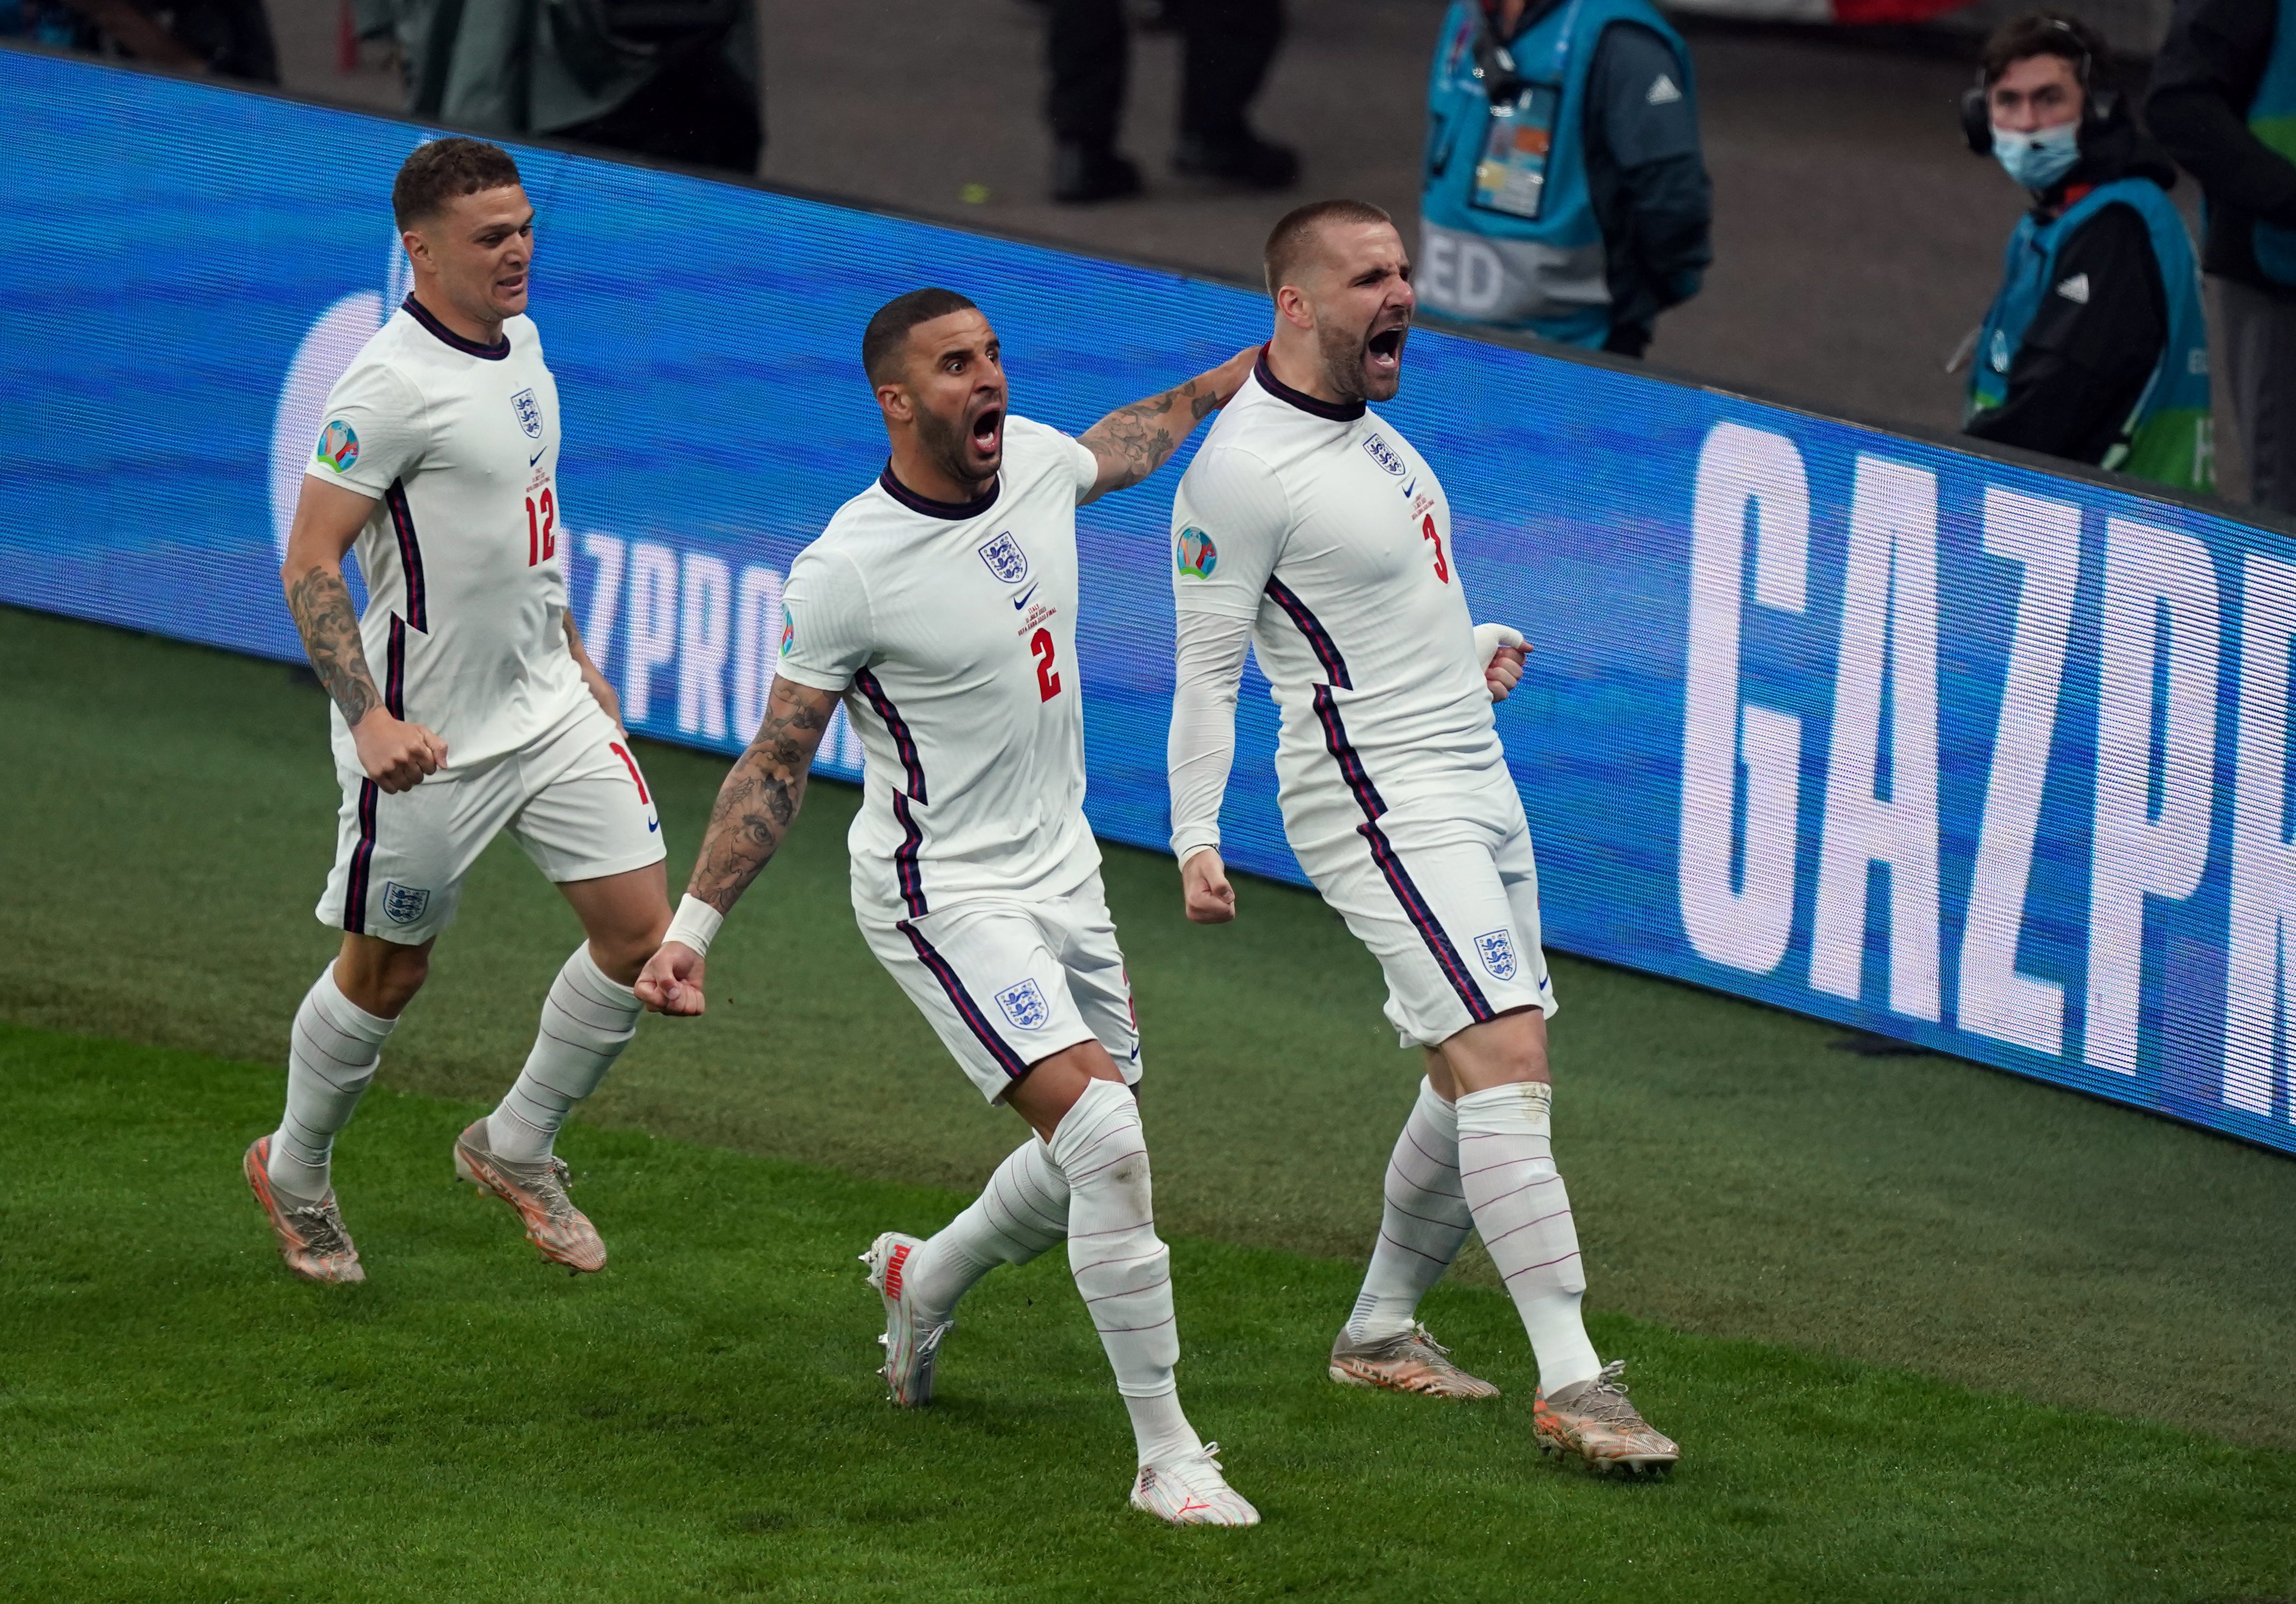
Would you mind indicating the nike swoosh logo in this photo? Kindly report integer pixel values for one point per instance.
(653, 825)
(1021, 600)
(536, 457)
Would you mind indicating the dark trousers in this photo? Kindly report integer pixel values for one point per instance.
(697, 111)
(2259, 351)
(1227, 47)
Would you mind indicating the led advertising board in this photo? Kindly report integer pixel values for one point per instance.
(1987, 759)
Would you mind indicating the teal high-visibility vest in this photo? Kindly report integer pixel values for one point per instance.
(2167, 437)
(1508, 231)
(2272, 118)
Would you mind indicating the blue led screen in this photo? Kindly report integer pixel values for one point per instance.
(1991, 759)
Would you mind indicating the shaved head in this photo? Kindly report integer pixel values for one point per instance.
(1298, 237)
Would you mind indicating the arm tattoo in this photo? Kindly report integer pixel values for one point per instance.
(1134, 441)
(321, 604)
(761, 795)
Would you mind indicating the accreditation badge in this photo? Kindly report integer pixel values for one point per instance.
(1511, 179)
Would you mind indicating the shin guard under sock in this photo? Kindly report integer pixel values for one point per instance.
(1423, 1226)
(1507, 1171)
(587, 1022)
(1121, 1269)
(329, 1061)
(1021, 1212)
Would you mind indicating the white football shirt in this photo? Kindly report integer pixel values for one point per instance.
(950, 631)
(1319, 525)
(463, 559)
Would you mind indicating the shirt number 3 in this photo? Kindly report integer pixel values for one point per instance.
(1442, 568)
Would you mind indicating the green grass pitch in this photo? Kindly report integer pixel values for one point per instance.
(1926, 1331)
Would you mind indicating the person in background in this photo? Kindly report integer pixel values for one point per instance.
(1565, 193)
(1227, 47)
(2224, 103)
(2096, 347)
(229, 38)
(674, 80)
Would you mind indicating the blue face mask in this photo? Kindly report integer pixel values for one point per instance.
(2038, 160)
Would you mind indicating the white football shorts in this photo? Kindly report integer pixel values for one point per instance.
(1005, 982)
(1449, 905)
(575, 799)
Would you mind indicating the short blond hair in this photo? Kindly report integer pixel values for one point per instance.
(1297, 233)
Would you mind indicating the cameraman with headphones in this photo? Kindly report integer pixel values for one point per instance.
(2096, 347)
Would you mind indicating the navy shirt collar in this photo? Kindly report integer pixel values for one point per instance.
(956, 511)
(1338, 412)
(468, 348)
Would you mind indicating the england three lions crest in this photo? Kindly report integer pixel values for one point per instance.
(1497, 950)
(404, 904)
(529, 413)
(1005, 559)
(1024, 1004)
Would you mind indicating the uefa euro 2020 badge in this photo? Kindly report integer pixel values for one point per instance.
(337, 445)
(1497, 950)
(1005, 559)
(529, 413)
(1024, 1005)
(1197, 554)
(404, 904)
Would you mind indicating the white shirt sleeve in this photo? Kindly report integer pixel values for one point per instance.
(376, 430)
(1228, 525)
(827, 635)
(1073, 453)
(1201, 746)
(1088, 466)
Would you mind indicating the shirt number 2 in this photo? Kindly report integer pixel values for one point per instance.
(1049, 683)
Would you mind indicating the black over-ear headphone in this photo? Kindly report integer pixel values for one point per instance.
(2098, 101)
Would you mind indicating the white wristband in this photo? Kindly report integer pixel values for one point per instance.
(695, 926)
(1491, 638)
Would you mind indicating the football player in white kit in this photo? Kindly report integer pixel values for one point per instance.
(1309, 528)
(438, 460)
(940, 606)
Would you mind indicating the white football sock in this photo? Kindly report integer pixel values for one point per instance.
(1021, 1212)
(1423, 1225)
(587, 1022)
(330, 1059)
(1123, 1271)
(1524, 1215)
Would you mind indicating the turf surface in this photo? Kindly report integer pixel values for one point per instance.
(184, 1422)
(169, 821)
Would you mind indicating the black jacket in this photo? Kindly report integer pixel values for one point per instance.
(2098, 335)
(2202, 81)
(1647, 177)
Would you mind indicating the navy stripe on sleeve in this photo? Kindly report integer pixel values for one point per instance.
(906, 868)
(1319, 638)
(410, 556)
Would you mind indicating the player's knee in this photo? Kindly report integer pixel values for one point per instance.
(383, 981)
(621, 956)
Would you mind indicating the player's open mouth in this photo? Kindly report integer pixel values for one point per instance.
(1385, 348)
(987, 430)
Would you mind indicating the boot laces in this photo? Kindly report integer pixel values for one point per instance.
(551, 1186)
(1420, 1336)
(1605, 1397)
(322, 1229)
